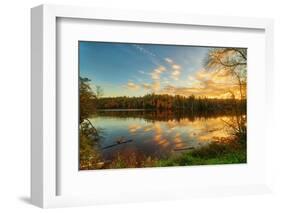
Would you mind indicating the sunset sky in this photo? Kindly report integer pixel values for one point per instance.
(137, 69)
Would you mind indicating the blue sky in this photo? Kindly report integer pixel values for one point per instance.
(123, 69)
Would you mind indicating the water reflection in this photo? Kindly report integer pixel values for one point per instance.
(156, 134)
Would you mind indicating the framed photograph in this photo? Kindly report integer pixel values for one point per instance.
(170, 105)
(129, 106)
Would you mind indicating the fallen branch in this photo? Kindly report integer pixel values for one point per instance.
(183, 148)
(118, 143)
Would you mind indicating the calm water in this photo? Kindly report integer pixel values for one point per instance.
(157, 134)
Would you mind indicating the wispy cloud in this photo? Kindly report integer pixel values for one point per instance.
(132, 86)
(171, 78)
(144, 50)
(175, 74)
(155, 75)
(175, 69)
(202, 83)
(168, 60)
(152, 87)
(152, 56)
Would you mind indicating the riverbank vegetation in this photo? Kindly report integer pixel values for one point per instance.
(220, 151)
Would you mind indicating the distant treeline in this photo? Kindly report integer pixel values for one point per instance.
(168, 102)
(163, 115)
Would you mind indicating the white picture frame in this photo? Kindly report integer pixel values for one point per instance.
(44, 154)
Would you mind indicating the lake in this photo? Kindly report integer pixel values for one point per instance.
(153, 133)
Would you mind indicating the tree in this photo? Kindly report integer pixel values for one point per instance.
(86, 98)
(191, 100)
(232, 60)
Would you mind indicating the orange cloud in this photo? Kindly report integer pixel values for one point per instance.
(155, 75)
(132, 86)
(214, 84)
(175, 74)
(176, 67)
(153, 87)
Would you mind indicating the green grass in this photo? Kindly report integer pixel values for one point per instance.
(219, 152)
(214, 153)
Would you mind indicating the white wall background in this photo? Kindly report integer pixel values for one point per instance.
(15, 104)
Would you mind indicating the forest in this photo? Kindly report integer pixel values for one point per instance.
(168, 102)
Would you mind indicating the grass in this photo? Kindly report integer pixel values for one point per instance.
(228, 151)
